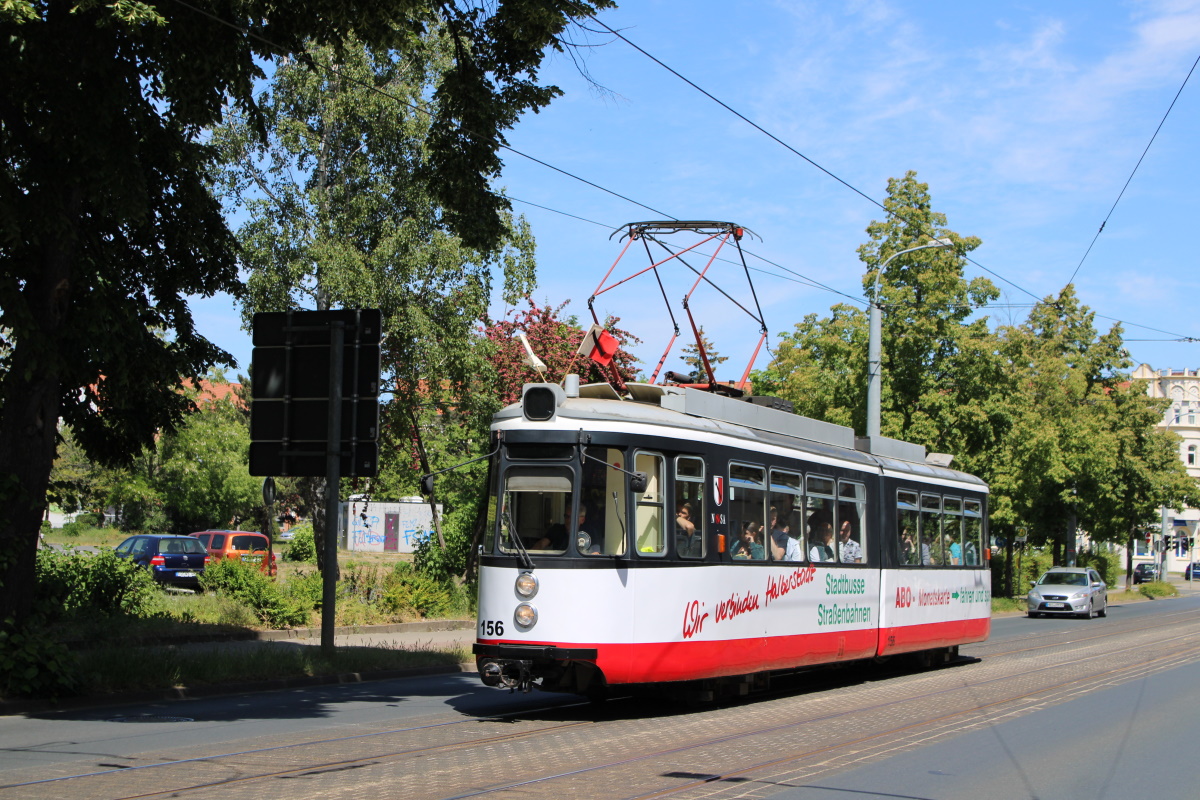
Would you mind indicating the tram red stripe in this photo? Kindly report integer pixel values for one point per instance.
(694, 660)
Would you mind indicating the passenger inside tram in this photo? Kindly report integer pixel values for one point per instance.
(821, 532)
(749, 544)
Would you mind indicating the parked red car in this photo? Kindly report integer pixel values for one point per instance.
(249, 546)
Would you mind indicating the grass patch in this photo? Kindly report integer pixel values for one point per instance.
(111, 670)
(1003, 605)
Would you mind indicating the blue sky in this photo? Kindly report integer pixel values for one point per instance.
(1025, 119)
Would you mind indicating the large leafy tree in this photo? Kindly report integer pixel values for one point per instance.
(106, 219)
(1082, 448)
(1147, 473)
(340, 216)
(930, 341)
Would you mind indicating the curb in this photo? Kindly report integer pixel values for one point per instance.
(299, 633)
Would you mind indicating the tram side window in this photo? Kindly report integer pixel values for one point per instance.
(602, 503)
(689, 507)
(537, 507)
(747, 511)
(820, 518)
(908, 528)
(931, 530)
(952, 529)
(785, 541)
(651, 540)
(852, 511)
(972, 532)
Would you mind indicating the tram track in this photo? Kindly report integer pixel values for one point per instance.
(242, 773)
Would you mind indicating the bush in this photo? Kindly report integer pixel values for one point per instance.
(32, 664)
(307, 589)
(248, 584)
(406, 589)
(444, 565)
(1027, 567)
(71, 583)
(304, 547)
(1109, 565)
(89, 519)
(1157, 589)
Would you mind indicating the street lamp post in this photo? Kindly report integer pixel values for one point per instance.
(875, 346)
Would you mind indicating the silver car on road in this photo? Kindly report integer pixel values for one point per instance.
(1069, 590)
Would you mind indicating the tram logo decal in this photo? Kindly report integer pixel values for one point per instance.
(718, 489)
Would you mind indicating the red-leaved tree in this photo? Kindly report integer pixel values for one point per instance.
(555, 340)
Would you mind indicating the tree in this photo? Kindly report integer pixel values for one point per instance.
(107, 223)
(555, 340)
(1147, 474)
(930, 342)
(339, 216)
(1057, 461)
(691, 357)
(204, 473)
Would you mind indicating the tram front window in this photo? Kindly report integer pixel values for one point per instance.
(537, 507)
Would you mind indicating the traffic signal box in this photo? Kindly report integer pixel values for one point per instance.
(295, 357)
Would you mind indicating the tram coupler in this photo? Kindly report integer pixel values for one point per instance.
(517, 675)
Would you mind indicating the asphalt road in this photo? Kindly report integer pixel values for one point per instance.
(1048, 708)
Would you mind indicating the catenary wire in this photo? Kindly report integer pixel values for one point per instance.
(403, 102)
(1135, 169)
(782, 143)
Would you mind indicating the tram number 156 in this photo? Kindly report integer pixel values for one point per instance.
(491, 627)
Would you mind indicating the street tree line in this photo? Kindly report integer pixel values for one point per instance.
(1042, 409)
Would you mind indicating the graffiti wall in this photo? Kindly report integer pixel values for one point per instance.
(386, 527)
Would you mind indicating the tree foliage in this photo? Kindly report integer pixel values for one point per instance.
(555, 340)
(107, 222)
(1042, 410)
(929, 337)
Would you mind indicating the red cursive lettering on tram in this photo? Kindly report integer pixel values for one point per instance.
(728, 609)
(778, 587)
(693, 620)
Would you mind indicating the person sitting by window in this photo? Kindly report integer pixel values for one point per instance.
(688, 541)
(749, 545)
(849, 551)
(556, 534)
(822, 539)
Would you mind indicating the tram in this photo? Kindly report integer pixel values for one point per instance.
(670, 534)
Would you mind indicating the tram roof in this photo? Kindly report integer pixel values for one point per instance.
(687, 408)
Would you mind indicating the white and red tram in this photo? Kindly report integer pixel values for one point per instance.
(799, 545)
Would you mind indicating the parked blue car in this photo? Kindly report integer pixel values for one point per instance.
(172, 560)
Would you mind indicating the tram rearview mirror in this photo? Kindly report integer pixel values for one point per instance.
(638, 482)
(426, 485)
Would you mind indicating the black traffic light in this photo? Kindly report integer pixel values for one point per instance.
(1168, 541)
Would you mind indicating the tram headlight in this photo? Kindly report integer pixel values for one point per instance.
(527, 584)
(525, 616)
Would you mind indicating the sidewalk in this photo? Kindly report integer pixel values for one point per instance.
(435, 635)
